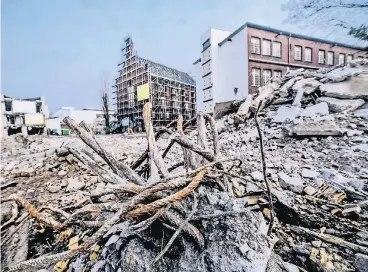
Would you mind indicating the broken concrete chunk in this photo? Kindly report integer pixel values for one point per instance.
(361, 262)
(318, 109)
(307, 173)
(250, 136)
(309, 190)
(338, 105)
(313, 128)
(74, 184)
(286, 113)
(294, 184)
(361, 147)
(354, 132)
(317, 243)
(356, 87)
(257, 175)
(363, 113)
(54, 188)
(342, 73)
(351, 208)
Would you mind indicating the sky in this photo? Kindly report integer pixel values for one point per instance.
(64, 50)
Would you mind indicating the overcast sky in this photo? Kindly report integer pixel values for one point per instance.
(64, 49)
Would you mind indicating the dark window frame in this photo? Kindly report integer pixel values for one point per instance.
(206, 44)
(8, 105)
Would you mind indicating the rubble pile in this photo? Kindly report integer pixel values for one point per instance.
(280, 185)
(315, 138)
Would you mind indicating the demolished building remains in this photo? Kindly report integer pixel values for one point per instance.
(278, 184)
(26, 116)
(171, 92)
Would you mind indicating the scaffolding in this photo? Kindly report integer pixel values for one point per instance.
(171, 92)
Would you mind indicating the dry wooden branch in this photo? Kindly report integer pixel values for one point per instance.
(118, 167)
(14, 213)
(153, 150)
(332, 239)
(212, 122)
(264, 168)
(177, 232)
(49, 221)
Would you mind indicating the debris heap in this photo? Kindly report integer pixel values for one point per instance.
(280, 185)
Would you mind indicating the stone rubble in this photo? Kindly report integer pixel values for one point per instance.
(315, 134)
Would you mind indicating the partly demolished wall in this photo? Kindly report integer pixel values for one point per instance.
(23, 115)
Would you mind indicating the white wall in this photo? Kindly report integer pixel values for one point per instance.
(21, 106)
(199, 86)
(89, 116)
(232, 69)
(54, 123)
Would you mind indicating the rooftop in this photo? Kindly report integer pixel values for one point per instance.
(167, 72)
(300, 36)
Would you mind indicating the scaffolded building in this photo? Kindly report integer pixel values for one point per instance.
(171, 92)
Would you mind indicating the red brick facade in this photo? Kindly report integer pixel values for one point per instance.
(287, 60)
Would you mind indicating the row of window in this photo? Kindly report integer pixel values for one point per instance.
(267, 49)
(308, 53)
(266, 76)
(273, 48)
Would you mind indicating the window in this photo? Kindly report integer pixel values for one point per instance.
(308, 54)
(266, 47)
(321, 57)
(38, 107)
(266, 77)
(330, 58)
(341, 59)
(255, 45)
(8, 105)
(256, 77)
(297, 52)
(206, 44)
(277, 74)
(276, 49)
(349, 58)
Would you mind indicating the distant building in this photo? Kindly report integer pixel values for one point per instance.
(232, 65)
(171, 92)
(92, 117)
(25, 116)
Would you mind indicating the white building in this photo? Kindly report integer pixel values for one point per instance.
(221, 72)
(25, 116)
(87, 115)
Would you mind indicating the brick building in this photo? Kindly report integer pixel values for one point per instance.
(232, 65)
